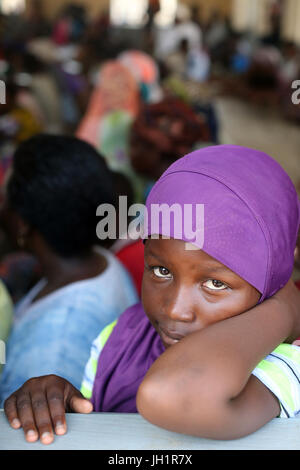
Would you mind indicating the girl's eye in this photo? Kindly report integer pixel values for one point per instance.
(214, 284)
(162, 272)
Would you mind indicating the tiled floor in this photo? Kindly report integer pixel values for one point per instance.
(262, 129)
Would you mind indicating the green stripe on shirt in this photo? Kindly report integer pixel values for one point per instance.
(92, 364)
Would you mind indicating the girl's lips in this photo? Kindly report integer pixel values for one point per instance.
(169, 337)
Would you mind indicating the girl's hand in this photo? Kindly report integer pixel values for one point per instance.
(39, 407)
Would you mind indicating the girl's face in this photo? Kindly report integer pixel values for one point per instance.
(186, 290)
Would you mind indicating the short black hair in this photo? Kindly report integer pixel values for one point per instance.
(56, 185)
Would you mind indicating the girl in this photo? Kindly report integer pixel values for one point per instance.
(200, 361)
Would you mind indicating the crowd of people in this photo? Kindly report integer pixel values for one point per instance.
(91, 115)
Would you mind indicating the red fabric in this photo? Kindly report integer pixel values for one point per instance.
(132, 257)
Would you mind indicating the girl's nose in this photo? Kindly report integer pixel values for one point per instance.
(181, 307)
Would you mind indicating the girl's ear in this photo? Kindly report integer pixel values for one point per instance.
(16, 229)
(23, 231)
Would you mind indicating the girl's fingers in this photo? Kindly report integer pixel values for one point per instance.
(77, 402)
(10, 408)
(39, 407)
(42, 416)
(81, 405)
(25, 415)
(55, 398)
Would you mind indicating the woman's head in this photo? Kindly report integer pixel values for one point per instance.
(161, 133)
(54, 189)
(250, 224)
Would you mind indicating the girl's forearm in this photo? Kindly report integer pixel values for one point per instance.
(201, 385)
(205, 417)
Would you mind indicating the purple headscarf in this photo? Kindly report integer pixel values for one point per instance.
(251, 211)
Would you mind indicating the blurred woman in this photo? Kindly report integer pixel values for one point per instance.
(161, 133)
(50, 205)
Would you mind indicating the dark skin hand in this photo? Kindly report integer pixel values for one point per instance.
(42, 401)
(185, 294)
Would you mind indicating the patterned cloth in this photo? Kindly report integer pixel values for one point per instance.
(280, 372)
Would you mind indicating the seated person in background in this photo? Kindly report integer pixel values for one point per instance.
(189, 63)
(16, 125)
(19, 272)
(161, 133)
(49, 210)
(196, 355)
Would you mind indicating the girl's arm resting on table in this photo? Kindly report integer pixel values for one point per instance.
(203, 385)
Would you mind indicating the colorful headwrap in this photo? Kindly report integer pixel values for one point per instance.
(141, 65)
(116, 90)
(251, 211)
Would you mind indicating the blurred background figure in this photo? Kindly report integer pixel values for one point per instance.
(169, 37)
(163, 131)
(49, 211)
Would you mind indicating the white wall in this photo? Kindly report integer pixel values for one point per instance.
(251, 15)
(291, 21)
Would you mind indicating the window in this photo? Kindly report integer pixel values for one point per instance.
(12, 6)
(131, 13)
(167, 14)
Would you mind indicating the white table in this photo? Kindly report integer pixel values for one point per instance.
(106, 431)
